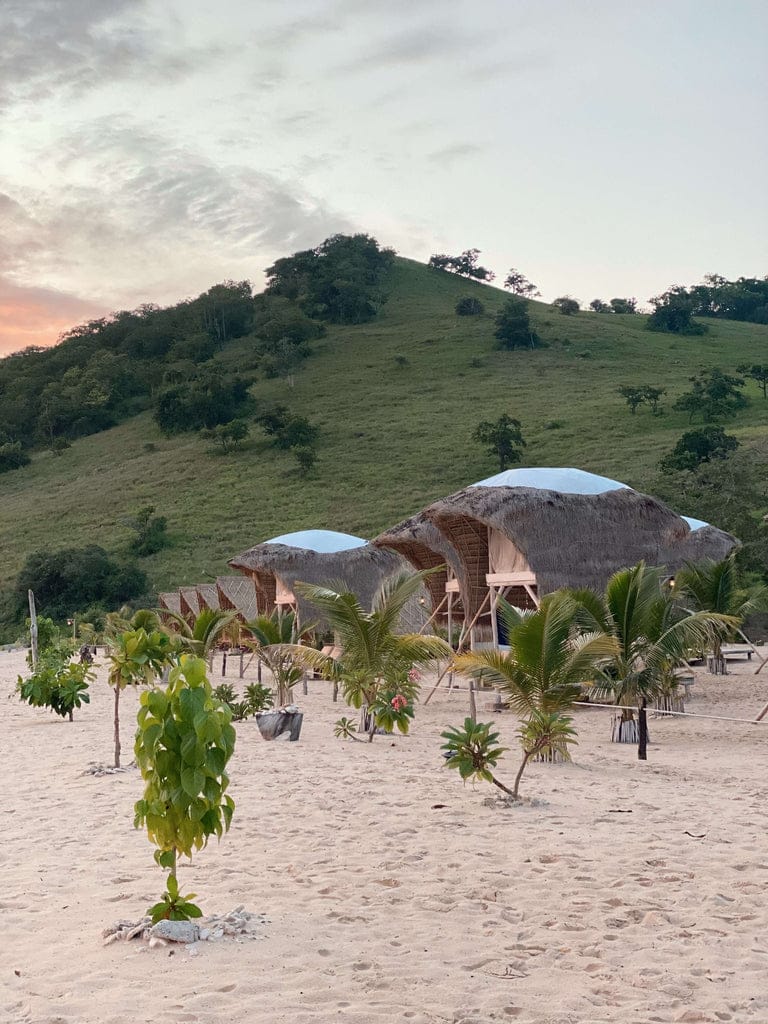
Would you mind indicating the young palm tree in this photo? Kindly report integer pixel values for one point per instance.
(273, 637)
(541, 674)
(202, 637)
(374, 657)
(709, 586)
(653, 633)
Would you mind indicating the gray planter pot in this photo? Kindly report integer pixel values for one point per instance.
(274, 723)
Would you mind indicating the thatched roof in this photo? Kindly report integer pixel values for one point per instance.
(361, 569)
(208, 596)
(170, 601)
(190, 602)
(238, 594)
(419, 541)
(567, 539)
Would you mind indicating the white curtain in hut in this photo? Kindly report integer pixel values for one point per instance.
(283, 593)
(503, 555)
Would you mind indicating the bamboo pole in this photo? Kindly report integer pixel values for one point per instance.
(434, 615)
(448, 666)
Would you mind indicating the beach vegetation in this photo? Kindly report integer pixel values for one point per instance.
(184, 742)
(376, 663)
(274, 642)
(203, 635)
(716, 587)
(653, 633)
(56, 683)
(136, 657)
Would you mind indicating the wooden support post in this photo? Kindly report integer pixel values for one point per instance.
(471, 627)
(450, 620)
(450, 663)
(494, 621)
(472, 704)
(304, 688)
(762, 714)
(433, 616)
(241, 663)
(223, 664)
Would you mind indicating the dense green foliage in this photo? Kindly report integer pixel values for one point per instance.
(673, 312)
(743, 299)
(513, 325)
(70, 579)
(697, 446)
(714, 395)
(567, 305)
(56, 683)
(340, 281)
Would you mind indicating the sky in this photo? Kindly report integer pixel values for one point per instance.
(150, 148)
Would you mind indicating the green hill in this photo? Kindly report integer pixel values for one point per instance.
(395, 434)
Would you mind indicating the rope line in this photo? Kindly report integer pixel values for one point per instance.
(659, 711)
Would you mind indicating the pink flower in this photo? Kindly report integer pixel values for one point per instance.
(413, 675)
(399, 702)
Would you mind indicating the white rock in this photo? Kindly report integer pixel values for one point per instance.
(176, 931)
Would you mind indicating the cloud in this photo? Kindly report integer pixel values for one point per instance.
(52, 46)
(152, 221)
(37, 316)
(414, 46)
(450, 154)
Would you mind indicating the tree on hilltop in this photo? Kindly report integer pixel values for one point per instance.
(464, 265)
(517, 283)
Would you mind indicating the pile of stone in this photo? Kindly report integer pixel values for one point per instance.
(98, 769)
(238, 924)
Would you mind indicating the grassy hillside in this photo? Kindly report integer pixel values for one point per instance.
(393, 437)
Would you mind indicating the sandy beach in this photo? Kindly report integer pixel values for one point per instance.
(627, 892)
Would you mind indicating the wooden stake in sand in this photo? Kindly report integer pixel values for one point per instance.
(33, 628)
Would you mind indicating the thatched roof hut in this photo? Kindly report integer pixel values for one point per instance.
(208, 596)
(169, 601)
(190, 603)
(319, 557)
(420, 542)
(238, 594)
(526, 532)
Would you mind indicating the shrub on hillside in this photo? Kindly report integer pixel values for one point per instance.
(202, 403)
(72, 578)
(12, 456)
(513, 325)
(469, 306)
